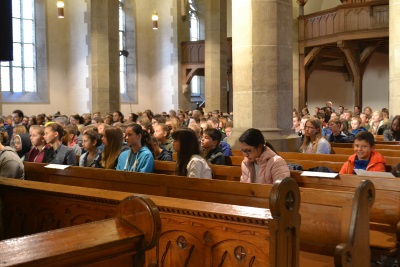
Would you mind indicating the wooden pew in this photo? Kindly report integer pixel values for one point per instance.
(69, 228)
(387, 145)
(193, 233)
(324, 212)
(390, 161)
(350, 151)
(385, 213)
(220, 172)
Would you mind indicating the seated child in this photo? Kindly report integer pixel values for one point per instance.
(365, 157)
(210, 144)
(356, 125)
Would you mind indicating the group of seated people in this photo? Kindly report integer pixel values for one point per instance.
(333, 127)
(130, 145)
(197, 141)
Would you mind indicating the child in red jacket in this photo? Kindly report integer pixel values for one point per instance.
(365, 158)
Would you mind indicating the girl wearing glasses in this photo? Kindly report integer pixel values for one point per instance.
(261, 164)
(314, 142)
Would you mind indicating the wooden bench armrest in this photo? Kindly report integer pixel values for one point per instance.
(285, 205)
(357, 250)
(136, 228)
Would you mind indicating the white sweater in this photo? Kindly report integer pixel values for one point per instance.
(198, 168)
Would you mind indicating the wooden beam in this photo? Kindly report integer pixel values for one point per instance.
(353, 61)
(310, 56)
(330, 68)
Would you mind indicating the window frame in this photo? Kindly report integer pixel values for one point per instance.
(130, 96)
(41, 95)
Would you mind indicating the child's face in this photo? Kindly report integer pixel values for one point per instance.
(17, 144)
(87, 143)
(207, 142)
(228, 131)
(36, 138)
(355, 124)
(363, 118)
(362, 149)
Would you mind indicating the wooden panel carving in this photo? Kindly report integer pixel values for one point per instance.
(370, 18)
(23, 214)
(380, 17)
(200, 242)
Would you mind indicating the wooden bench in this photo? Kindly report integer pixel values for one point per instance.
(220, 172)
(390, 161)
(385, 213)
(387, 145)
(350, 151)
(324, 212)
(193, 233)
(69, 228)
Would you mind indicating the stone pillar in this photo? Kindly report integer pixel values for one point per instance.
(215, 55)
(262, 69)
(104, 51)
(394, 57)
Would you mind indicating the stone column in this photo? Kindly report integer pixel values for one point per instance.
(215, 55)
(394, 57)
(262, 69)
(104, 60)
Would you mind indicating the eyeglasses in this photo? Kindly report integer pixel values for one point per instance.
(309, 127)
(246, 151)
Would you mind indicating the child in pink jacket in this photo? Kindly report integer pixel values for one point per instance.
(261, 164)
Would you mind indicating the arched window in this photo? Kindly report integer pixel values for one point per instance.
(20, 75)
(25, 79)
(122, 47)
(194, 36)
(127, 42)
(194, 21)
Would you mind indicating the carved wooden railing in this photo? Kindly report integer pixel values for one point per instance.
(193, 52)
(350, 21)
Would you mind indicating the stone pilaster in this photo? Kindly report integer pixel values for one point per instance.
(215, 55)
(394, 57)
(104, 51)
(263, 69)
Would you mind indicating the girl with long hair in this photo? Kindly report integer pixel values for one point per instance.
(112, 139)
(189, 163)
(57, 153)
(261, 163)
(314, 142)
(140, 156)
(393, 133)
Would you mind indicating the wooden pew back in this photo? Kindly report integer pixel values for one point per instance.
(193, 232)
(350, 151)
(385, 145)
(219, 172)
(122, 232)
(325, 212)
(386, 208)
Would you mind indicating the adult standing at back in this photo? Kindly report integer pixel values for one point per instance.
(261, 164)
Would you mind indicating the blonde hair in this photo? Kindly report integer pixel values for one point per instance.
(318, 135)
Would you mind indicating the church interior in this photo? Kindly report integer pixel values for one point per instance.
(257, 59)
